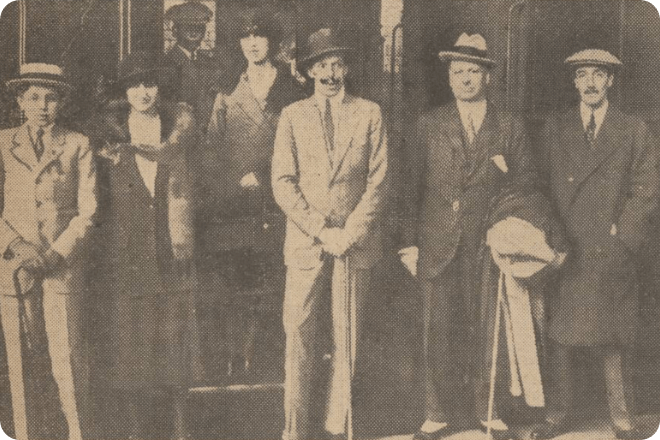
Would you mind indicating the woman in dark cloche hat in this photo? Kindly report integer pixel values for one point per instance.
(147, 240)
(245, 232)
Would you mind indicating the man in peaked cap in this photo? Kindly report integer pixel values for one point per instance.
(329, 176)
(197, 79)
(463, 154)
(601, 171)
(49, 202)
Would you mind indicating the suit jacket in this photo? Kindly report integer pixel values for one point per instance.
(606, 196)
(50, 203)
(449, 192)
(314, 194)
(241, 136)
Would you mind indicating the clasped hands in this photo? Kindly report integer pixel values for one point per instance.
(33, 265)
(335, 241)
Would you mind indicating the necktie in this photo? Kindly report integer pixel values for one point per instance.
(329, 125)
(39, 144)
(591, 130)
(472, 132)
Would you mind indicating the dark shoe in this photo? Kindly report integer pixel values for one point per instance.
(630, 434)
(435, 435)
(500, 434)
(547, 431)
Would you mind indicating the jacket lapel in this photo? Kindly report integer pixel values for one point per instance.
(316, 132)
(246, 101)
(22, 148)
(348, 123)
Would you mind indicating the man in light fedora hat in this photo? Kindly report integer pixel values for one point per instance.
(463, 154)
(49, 202)
(601, 171)
(329, 176)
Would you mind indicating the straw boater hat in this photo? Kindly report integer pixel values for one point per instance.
(189, 13)
(320, 43)
(470, 48)
(593, 57)
(40, 74)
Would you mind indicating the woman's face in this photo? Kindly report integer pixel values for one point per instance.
(142, 96)
(255, 48)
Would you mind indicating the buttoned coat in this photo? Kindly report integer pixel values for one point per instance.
(241, 135)
(606, 196)
(448, 195)
(314, 190)
(49, 202)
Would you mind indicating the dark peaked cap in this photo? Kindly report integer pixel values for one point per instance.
(191, 13)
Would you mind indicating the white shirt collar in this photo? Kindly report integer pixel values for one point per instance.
(472, 110)
(599, 114)
(48, 130)
(335, 101)
(186, 52)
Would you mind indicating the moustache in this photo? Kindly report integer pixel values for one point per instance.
(331, 81)
(590, 91)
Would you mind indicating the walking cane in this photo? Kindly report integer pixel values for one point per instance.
(493, 366)
(349, 346)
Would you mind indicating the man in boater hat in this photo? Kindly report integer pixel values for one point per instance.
(329, 176)
(49, 202)
(602, 175)
(463, 154)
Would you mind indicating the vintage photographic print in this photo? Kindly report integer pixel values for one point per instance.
(329, 219)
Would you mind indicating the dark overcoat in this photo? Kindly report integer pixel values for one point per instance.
(448, 194)
(605, 196)
(241, 135)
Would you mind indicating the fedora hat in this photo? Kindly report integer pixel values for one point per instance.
(40, 74)
(320, 43)
(138, 65)
(470, 48)
(189, 13)
(593, 57)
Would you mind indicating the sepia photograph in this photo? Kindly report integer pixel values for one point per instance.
(329, 219)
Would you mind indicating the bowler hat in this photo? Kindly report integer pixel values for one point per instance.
(138, 65)
(40, 74)
(593, 57)
(320, 43)
(471, 48)
(189, 13)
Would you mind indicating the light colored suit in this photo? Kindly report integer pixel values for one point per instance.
(319, 186)
(51, 203)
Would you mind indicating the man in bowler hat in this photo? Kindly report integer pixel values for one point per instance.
(329, 176)
(603, 178)
(463, 154)
(49, 202)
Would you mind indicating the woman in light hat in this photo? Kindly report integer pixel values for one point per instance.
(49, 203)
(246, 232)
(148, 240)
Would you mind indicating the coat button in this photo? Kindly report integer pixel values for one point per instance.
(456, 205)
(38, 203)
(570, 179)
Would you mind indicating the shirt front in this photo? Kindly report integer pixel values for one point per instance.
(335, 107)
(472, 116)
(145, 130)
(260, 81)
(599, 115)
(187, 53)
(46, 138)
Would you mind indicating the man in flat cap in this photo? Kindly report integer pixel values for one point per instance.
(49, 203)
(329, 176)
(463, 154)
(197, 72)
(603, 178)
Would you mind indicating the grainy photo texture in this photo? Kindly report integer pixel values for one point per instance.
(329, 220)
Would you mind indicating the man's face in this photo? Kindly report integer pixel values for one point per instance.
(329, 74)
(190, 36)
(40, 105)
(593, 82)
(468, 80)
(255, 48)
(142, 96)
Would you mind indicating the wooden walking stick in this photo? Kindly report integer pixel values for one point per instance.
(349, 347)
(493, 365)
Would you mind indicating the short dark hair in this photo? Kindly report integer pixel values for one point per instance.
(149, 79)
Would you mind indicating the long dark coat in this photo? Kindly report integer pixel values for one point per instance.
(605, 196)
(241, 136)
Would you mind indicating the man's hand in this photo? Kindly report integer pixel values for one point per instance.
(26, 281)
(29, 257)
(409, 257)
(335, 241)
(249, 181)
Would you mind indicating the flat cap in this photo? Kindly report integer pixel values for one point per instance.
(191, 12)
(593, 57)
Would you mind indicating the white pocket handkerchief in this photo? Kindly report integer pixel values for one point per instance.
(500, 163)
